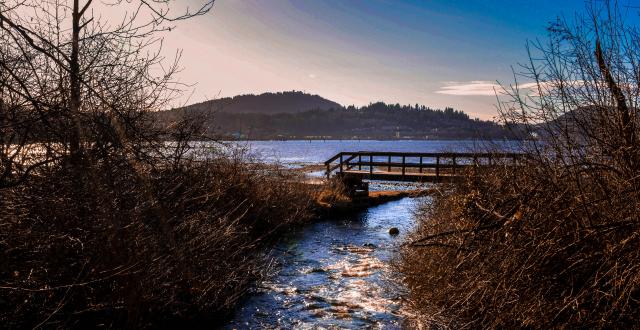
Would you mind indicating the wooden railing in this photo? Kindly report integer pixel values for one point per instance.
(416, 162)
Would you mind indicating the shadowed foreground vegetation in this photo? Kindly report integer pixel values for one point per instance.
(102, 222)
(554, 242)
(526, 247)
(140, 247)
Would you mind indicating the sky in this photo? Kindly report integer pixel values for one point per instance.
(437, 53)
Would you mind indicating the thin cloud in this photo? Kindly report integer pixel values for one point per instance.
(489, 88)
(469, 88)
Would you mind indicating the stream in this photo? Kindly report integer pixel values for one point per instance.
(335, 274)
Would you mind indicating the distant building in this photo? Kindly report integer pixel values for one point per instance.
(238, 135)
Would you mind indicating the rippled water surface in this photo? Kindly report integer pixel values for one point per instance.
(335, 274)
(317, 151)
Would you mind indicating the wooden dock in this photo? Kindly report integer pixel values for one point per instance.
(353, 167)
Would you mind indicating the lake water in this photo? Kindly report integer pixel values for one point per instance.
(317, 151)
(336, 274)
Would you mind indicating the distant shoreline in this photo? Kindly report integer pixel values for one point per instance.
(225, 139)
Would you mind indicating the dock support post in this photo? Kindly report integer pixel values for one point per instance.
(389, 164)
(340, 163)
(454, 164)
(359, 162)
(420, 164)
(437, 168)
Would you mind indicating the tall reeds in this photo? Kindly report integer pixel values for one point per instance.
(555, 241)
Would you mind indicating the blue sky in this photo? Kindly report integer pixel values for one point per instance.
(436, 53)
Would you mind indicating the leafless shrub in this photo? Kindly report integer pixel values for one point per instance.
(552, 242)
(106, 218)
(178, 245)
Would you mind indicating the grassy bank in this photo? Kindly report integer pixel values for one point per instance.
(535, 246)
(555, 241)
(140, 246)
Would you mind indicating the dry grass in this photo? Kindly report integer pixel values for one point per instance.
(333, 193)
(554, 242)
(140, 248)
(532, 246)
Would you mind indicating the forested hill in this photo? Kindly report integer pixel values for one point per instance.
(374, 121)
(267, 103)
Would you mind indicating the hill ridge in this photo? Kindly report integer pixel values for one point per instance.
(293, 117)
(266, 103)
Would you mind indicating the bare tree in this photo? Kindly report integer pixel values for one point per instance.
(552, 242)
(74, 81)
(584, 96)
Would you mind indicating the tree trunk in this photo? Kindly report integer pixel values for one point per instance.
(74, 80)
(625, 121)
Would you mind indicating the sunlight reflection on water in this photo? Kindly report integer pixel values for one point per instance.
(298, 152)
(335, 274)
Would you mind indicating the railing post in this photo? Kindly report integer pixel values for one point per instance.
(478, 159)
(370, 164)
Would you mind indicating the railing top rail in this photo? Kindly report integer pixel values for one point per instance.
(425, 154)
(333, 158)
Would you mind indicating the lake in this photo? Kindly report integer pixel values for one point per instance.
(317, 151)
